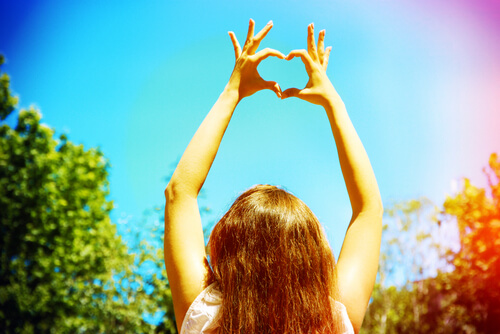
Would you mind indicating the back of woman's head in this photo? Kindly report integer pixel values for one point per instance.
(274, 266)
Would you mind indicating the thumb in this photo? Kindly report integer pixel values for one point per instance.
(291, 92)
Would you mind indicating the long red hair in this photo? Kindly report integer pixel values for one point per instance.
(274, 266)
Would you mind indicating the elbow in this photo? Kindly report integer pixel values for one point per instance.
(176, 191)
(373, 208)
(379, 207)
(374, 203)
(171, 191)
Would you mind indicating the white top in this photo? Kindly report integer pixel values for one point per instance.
(202, 312)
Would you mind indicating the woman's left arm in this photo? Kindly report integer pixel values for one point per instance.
(184, 246)
(358, 260)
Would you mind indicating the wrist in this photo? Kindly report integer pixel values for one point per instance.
(229, 97)
(333, 102)
(232, 91)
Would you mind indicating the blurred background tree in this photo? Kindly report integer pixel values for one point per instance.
(460, 292)
(63, 267)
(412, 250)
(475, 281)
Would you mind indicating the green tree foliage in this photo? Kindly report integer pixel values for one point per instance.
(7, 101)
(63, 268)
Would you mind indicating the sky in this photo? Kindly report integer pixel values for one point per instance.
(420, 80)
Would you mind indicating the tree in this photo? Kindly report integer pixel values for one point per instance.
(462, 295)
(412, 251)
(7, 101)
(63, 268)
(145, 238)
(475, 279)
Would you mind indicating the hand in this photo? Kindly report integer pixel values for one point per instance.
(245, 77)
(315, 59)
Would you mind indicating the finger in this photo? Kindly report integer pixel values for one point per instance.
(311, 43)
(236, 45)
(259, 37)
(327, 57)
(321, 46)
(306, 59)
(267, 52)
(251, 26)
(273, 85)
(261, 34)
(298, 53)
(290, 92)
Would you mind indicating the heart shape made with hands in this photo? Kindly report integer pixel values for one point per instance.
(249, 80)
(287, 73)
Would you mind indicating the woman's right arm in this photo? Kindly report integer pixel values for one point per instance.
(358, 260)
(184, 247)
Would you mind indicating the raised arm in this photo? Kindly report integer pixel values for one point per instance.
(184, 247)
(358, 260)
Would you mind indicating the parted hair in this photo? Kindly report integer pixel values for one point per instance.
(274, 266)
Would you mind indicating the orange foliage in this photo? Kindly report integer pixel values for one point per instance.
(475, 279)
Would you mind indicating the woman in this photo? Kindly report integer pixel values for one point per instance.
(271, 269)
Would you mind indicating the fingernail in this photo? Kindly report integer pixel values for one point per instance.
(270, 22)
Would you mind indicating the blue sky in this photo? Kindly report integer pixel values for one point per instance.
(420, 81)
